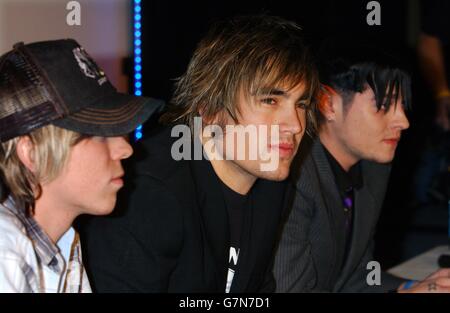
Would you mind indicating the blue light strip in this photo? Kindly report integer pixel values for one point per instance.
(137, 42)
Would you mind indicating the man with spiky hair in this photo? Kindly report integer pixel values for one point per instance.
(209, 225)
(327, 240)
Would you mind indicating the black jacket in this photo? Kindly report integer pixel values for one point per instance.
(170, 231)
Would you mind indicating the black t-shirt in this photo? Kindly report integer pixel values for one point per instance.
(237, 205)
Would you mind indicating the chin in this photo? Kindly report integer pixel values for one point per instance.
(105, 208)
(279, 174)
(384, 159)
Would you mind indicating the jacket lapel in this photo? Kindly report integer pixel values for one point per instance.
(363, 216)
(333, 205)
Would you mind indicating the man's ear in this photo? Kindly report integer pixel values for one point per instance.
(24, 150)
(327, 102)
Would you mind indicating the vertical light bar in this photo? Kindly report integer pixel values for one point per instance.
(137, 44)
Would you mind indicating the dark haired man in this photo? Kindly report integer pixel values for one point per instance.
(209, 225)
(327, 240)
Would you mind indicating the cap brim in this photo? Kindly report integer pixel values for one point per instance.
(114, 115)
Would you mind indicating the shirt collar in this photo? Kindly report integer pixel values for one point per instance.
(345, 180)
(46, 250)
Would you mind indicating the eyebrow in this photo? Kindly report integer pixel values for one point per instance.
(280, 92)
(273, 92)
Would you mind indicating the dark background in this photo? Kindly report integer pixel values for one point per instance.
(171, 30)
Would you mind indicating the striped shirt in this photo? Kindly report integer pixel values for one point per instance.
(30, 262)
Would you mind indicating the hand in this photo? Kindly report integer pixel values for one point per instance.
(439, 282)
(442, 113)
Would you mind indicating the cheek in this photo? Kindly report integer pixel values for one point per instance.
(364, 138)
(303, 122)
(74, 186)
(369, 132)
(87, 171)
(301, 115)
(351, 133)
(83, 177)
(358, 136)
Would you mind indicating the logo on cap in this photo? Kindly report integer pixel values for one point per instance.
(88, 66)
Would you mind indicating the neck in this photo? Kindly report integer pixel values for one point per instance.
(344, 157)
(233, 176)
(52, 217)
(230, 173)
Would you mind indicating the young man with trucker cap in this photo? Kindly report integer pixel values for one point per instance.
(62, 127)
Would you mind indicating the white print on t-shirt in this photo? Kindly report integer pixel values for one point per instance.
(233, 259)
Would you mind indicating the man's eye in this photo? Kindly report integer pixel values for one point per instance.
(268, 101)
(303, 104)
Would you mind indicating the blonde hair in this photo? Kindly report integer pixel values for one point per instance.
(251, 54)
(51, 147)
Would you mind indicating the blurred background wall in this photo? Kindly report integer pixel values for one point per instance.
(105, 29)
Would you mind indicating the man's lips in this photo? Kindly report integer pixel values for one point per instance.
(392, 141)
(285, 149)
(118, 180)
